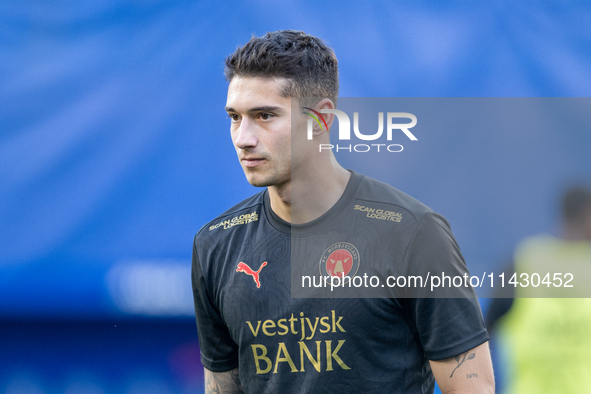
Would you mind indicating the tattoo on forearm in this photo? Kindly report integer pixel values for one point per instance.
(460, 360)
(223, 383)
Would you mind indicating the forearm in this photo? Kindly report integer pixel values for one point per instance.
(222, 382)
(467, 373)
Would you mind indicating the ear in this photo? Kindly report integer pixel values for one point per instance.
(327, 119)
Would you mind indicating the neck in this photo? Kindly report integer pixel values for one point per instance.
(311, 192)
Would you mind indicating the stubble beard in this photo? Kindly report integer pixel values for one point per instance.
(275, 178)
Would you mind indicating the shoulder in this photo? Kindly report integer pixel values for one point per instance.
(244, 212)
(372, 191)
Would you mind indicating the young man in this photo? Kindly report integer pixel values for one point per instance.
(256, 338)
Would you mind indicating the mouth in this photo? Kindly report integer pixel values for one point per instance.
(252, 161)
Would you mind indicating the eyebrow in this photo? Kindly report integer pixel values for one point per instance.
(269, 108)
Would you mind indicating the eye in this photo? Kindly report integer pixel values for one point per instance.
(234, 117)
(265, 116)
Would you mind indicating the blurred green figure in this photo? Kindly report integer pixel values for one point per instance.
(547, 341)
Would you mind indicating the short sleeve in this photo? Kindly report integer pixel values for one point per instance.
(219, 352)
(447, 323)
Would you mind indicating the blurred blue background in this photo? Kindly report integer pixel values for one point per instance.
(115, 150)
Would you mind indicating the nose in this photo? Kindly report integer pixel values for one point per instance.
(245, 135)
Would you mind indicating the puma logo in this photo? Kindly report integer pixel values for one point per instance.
(242, 267)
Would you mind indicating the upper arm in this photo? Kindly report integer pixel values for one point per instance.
(449, 321)
(469, 372)
(227, 382)
(219, 352)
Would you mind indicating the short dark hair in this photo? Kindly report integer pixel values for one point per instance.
(575, 202)
(306, 61)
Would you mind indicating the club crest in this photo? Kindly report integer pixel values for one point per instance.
(340, 259)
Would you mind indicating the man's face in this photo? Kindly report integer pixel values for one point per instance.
(261, 129)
